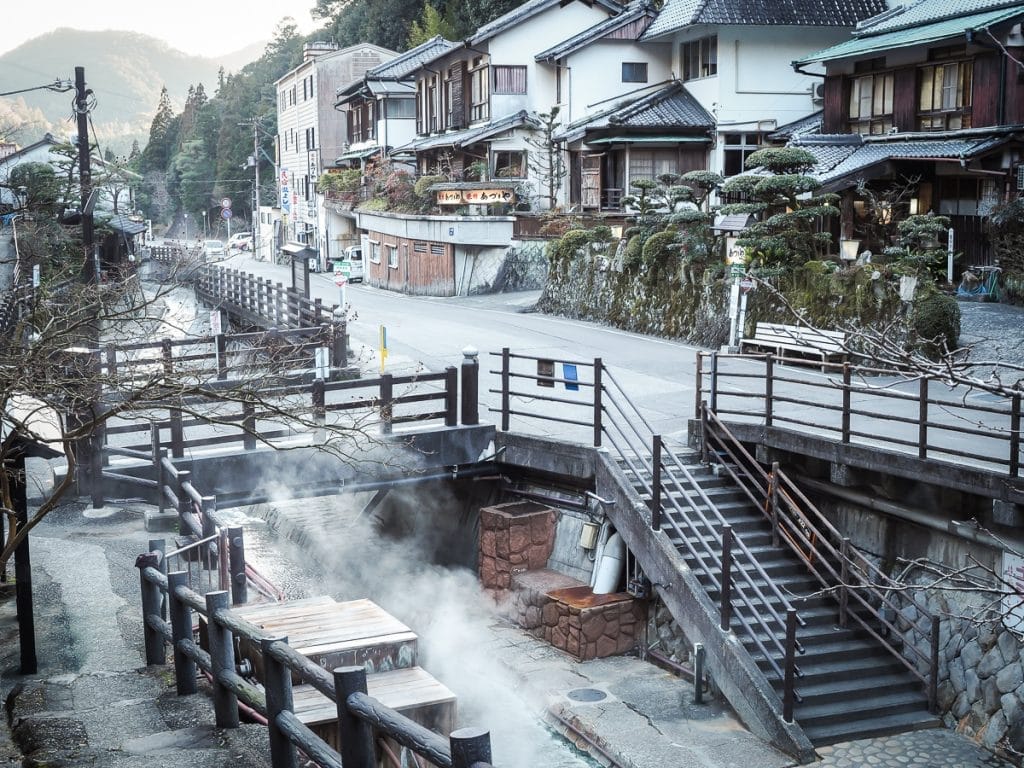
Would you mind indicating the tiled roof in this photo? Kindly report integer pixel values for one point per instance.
(406, 63)
(671, 107)
(842, 159)
(926, 11)
(524, 12)
(676, 14)
(808, 125)
(637, 9)
(470, 136)
(871, 41)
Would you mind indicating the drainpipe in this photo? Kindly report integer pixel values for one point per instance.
(957, 528)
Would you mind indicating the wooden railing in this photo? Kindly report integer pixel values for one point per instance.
(252, 298)
(358, 713)
(923, 416)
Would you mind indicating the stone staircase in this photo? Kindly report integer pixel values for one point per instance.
(849, 685)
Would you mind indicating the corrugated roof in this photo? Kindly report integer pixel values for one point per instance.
(677, 14)
(470, 135)
(405, 64)
(524, 12)
(918, 35)
(637, 9)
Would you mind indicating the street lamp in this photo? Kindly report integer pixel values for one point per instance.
(186, 227)
(206, 233)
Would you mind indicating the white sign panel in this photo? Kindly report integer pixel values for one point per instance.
(323, 363)
(216, 328)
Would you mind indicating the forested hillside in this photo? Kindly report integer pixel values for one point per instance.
(195, 157)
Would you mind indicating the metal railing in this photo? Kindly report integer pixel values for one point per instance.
(844, 573)
(358, 714)
(851, 406)
(761, 610)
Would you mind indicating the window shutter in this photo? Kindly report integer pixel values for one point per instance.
(458, 75)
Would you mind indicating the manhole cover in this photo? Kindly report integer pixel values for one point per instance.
(587, 694)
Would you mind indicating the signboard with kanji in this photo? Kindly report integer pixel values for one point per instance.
(475, 196)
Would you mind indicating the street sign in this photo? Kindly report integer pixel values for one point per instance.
(736, 270)
(340, 278)
(225, 202)
(226, 213)
(746, 284)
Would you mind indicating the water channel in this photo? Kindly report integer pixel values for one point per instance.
(445, 607)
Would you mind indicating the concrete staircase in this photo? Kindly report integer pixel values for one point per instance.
(849, 685)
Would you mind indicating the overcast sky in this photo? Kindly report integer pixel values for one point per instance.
(204, 27)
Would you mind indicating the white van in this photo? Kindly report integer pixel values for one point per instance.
(352, 262)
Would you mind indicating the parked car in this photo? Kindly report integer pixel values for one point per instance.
(240, 241)
(213, 250)
(352, 263)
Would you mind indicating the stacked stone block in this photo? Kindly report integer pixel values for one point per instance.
(514, 538)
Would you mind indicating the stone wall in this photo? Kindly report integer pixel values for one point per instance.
(981, 671)
(514, 538)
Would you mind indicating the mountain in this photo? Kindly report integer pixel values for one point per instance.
(125, 71)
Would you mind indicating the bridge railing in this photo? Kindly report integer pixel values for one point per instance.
(922, 416)
(358, 713)
(227, 355)
(250, 297)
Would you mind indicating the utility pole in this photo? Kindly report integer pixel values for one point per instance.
(91, 268)
(255, 123)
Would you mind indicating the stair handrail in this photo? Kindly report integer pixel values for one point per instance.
(614, 395)
(801, 524)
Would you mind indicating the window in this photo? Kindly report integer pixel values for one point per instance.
(634, 71)
(699, 58)
(432, 104)
(509, 165)
(392, 256)
(311, 138)
(652, 163)
(945, 96)
(401, 108)
(736, 148)
(375, 251)
(509, 80)
(871, 104)
(479, 94)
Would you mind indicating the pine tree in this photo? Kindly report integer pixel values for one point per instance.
(433, 24)
(158, 151)
(547, 162)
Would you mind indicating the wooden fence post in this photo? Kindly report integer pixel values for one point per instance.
(922, 420)
(789, 673)
(177, 433)
(469, 746)
(769, 389)
(847, 404)
(181, 630)
(725, 589)
(386, 403)
(339, 336)
(151, 600)
(451, 396)
(505, 384)
(222, 659)
(598, 401)
(277, 681)
(470, 386)
(236, 565)
(248, 425)
(656, 483)
(355, 734)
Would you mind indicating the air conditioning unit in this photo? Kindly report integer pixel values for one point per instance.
(818, 93)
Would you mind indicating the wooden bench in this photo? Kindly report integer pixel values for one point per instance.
(799, 340)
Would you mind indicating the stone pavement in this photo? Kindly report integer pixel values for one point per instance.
(938, 748)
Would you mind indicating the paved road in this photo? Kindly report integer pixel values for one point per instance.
(431, 332)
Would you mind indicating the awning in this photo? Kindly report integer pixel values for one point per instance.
(358, 154)
(685, 139)
(298, 249)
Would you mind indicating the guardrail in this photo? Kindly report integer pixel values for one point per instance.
(850, 406)
(250, 297)
(358, 713)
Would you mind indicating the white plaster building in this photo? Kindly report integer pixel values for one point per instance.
(309, 130)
